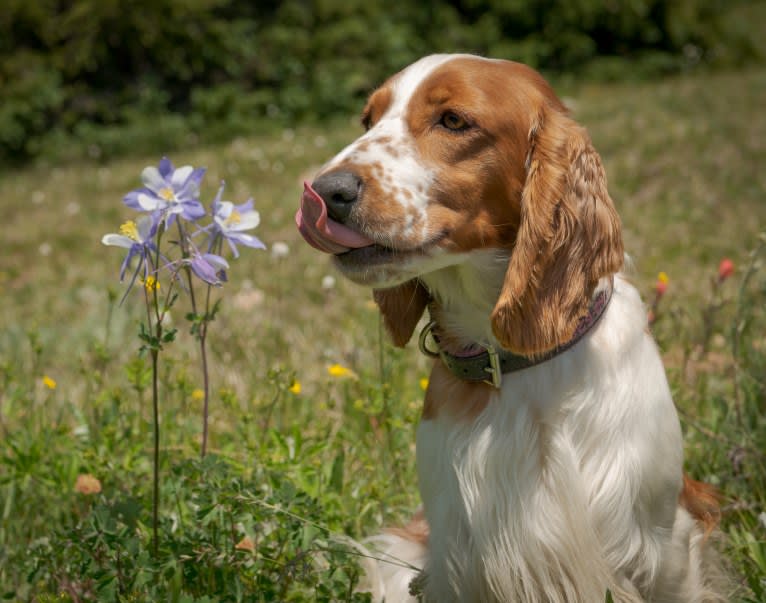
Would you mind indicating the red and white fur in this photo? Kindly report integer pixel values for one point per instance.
(487, 201)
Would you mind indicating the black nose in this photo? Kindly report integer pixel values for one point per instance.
(340, 190)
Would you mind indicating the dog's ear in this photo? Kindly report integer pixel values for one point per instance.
(401, 307)
(569, 237)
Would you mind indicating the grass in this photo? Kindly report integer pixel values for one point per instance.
(295, 471)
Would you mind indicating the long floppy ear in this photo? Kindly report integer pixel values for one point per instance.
(569, 237)
(401, 307)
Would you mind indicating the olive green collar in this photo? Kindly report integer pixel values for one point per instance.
(487, 364)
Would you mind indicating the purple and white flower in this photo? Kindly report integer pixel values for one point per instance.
(230, 222)
(169, 191)
(137, 237)
(209, 267)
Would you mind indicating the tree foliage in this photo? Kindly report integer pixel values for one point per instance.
(92, 69)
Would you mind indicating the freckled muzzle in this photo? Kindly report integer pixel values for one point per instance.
(318, 227)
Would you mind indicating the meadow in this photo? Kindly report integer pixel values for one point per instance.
(313, 413)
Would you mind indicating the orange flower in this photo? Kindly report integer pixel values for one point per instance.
(662, 284)
(725, 269)
(87, 484)
(246, 544)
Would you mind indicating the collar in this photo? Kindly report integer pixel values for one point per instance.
(480, 364)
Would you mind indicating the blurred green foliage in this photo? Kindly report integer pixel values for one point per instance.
(102, 77)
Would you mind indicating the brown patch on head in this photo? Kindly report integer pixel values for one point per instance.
(451, 397)
(480, 169)
(392, 150)
(363, 146)
(376, 106)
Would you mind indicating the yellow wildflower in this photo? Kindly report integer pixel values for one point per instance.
(198, 394)
(295, 388)
(424, 383)
(87, 484)
(661, 286)
(337, 370)
(49, 382)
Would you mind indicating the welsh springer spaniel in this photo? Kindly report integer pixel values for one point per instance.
(549, 453)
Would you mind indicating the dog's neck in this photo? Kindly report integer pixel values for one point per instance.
(463, 299)
(464, 295)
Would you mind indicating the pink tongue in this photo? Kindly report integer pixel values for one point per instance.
(322, 232)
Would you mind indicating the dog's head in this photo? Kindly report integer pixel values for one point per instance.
(462, 154)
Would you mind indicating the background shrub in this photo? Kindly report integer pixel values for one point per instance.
(222, 67)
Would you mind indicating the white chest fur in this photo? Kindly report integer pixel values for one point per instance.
(566, 484)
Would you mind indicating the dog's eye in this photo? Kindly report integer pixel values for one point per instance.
(453, 121)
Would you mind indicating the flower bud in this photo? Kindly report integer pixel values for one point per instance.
(725, 269)
(661, 286)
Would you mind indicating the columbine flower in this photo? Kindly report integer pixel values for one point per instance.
(169, 191)
(136, 237)
(209, 267)
(230, 221)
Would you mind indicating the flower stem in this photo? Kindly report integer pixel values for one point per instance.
(156, 488)
(201, 333)
(205, 376)
(155, 353)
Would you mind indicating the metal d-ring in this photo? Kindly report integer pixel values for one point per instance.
(424, 337)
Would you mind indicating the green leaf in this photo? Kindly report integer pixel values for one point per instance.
(336, 475)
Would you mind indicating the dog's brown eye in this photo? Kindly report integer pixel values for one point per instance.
(453, 121)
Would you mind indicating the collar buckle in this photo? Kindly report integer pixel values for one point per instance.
(494, 368)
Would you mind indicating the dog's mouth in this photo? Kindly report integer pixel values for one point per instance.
(350, 247)
(322, 232)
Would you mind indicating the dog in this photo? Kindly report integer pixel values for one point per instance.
(549, 453)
